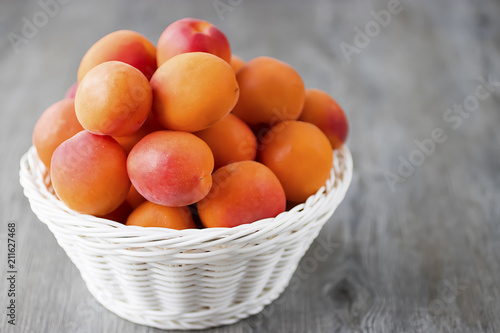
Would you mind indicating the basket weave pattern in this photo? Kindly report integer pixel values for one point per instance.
(188, 279)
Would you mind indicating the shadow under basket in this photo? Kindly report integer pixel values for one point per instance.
(188, 279)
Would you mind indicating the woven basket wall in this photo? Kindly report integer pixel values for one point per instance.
(189, 279)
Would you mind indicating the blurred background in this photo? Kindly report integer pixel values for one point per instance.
(414, 247)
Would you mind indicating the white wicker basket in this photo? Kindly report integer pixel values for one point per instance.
(189, 279)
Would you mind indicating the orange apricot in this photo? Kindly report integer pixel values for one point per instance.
(300, 155)
(236, 63)
(242, 192)
(134, 198)
(230, 140)
(271, 91)
(89, 173)
(113, 99)
(123, 45)
(57, 124)
(120, 214)
(323, 111)
(171, 168)
(149, 214)
(128, 142)
(193, 91)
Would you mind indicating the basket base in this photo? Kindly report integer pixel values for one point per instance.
(213, 317)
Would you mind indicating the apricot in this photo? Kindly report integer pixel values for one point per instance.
(57, 124)
(271, 91)
(230, 140)
(171, 168)
(134, 198)
(193, 91)
(192, 35)
(120, 214)
(242, 192)
(71, 92)
(150, 214)
(323, 111)
(236, 63)
(89, 173)
(300, 155)
(123, 45)
(113, 99)
(129, 141)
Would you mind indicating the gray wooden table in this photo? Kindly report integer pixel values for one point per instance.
(415, 246)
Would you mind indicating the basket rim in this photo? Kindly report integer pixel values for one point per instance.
(35, 186)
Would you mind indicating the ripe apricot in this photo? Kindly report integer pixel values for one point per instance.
(120, 214)
(192, 35)
(271, 91)
(171, 168)
(236, 63)
(89, 173)
(230, 140)
(300, 155)
(193, 91)
(149, 214)
(71, 92)
(113, 99)
(57, 124)
(242, 192)
(134, 198)
(123, 45)
(129, 141)
(323, 111)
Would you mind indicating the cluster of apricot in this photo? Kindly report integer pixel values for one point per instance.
(153, 136)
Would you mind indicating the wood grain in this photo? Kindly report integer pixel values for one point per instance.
(423, 256)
